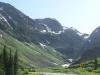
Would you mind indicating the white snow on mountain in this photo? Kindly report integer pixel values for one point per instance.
(56, 32)
(42, 45)
(43, 31)
(86, 37)
(2, 18)
(65, 65)
(71, 60)
(49, 30)
(80, 34)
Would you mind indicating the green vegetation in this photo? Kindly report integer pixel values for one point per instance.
(7, 62)
(34, 73)
(86, 68)
(95, 63)
(32, 55)
(79, 71)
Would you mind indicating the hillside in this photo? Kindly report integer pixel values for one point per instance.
(46, 31)
(30, 54)
(43, 42)
(92, 47)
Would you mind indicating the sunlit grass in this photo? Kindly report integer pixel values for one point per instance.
(34, 73)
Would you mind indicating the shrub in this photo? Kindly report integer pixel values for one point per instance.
(26, 71)
(97, 71)
(1, 72)
(89, 69)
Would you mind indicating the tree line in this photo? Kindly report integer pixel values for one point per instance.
(8, 62)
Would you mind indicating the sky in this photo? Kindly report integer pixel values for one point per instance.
(84, 15)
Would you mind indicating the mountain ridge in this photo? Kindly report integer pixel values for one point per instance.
(38, 30)
(44, 34)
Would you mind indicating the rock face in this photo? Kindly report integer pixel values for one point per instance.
(46, 32)
(92, 46)
(94, 38)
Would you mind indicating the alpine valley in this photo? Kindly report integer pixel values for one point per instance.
(44, 42)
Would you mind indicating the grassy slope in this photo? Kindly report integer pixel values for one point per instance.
(31, 54)
(78, 71)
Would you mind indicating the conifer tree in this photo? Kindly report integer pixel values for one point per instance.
(95, 63)
(5, 61)
(15, 62)
(10, 64)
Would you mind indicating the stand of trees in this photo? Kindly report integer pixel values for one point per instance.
(95, 63)
(9, 62)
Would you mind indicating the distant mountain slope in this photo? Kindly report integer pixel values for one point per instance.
(94, 38)
(44, 42)
(32, 55)
(92, 47)
(46, 31)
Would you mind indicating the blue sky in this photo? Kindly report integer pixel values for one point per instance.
(83, 15)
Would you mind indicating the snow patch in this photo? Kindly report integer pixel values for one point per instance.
(71, 60)
(3, 18)
(80, 34)
(86, 37)
(42, 45)
(43, 31)
(56, 32)
(65, 65)
(49, 30)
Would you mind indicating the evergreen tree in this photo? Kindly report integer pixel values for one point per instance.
(15, 62)
(5, 61)
(10, 64)
(95, 63)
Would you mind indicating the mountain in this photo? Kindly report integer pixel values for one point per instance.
(17, 32)
(48, 31)
(94, 37)
(92, 48)
(44, 42)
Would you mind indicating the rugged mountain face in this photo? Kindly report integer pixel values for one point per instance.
(92, 46)
(48, 25)
(17, 32)
(46, 31)
(94, 38)
(46, 37)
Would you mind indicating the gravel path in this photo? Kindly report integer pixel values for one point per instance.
(57, 74)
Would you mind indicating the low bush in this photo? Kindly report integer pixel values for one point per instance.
(97, 71)
(89, 69)
(26, 71)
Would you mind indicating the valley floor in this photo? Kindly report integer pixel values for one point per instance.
(67, 71)
(37, 73)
